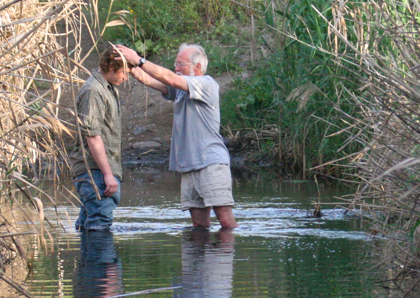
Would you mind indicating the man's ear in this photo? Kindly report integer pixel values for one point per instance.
(197, 67)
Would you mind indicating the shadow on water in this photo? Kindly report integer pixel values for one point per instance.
(278, 251)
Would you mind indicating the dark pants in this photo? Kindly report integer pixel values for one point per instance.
(95, 214)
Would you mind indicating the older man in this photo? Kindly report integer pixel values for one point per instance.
(197, 148)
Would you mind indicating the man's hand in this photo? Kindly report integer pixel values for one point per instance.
(129, 54)
(97, 149)
(111, 185)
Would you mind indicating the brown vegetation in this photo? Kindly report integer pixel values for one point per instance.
(35, 71)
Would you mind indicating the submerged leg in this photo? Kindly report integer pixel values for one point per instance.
(225, 216)
(200, 217)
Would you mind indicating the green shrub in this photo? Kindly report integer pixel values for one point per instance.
(295, 89)
(165, 24)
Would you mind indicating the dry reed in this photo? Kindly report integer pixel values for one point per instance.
(40, 64)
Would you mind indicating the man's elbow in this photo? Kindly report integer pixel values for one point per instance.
(178, 83)
(172, 82)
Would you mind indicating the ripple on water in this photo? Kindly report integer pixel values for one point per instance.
(279, 250)
(261, 221)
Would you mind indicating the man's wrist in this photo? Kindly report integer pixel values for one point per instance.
(142, 60)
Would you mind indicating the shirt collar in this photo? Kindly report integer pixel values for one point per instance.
(100, 78)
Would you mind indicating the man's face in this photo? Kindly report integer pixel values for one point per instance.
(183, 65)
(116, 77)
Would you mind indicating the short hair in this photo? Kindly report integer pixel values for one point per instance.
(197, 56)
(107, 60)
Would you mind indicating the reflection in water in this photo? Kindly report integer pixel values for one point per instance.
(207, 263)
(98, 272)
(278, 250)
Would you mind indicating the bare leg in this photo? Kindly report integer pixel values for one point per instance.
(225, 216)
(200, 217)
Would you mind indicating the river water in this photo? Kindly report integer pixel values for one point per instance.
(278, 251)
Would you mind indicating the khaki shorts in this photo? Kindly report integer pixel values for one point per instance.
(207, 187)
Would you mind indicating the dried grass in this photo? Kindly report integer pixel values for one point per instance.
(40, 62)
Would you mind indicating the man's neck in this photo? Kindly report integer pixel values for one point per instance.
(105, 75)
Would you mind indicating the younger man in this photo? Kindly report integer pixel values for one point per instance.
(99, 115)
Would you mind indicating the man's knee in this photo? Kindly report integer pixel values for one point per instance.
(225, 216)
(200, 217)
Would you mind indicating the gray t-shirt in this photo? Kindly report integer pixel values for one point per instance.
(196, 140)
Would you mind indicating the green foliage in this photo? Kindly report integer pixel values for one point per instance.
(160, 26)
(295, 88)
(221, 60)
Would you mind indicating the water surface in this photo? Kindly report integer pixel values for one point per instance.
(280, 250)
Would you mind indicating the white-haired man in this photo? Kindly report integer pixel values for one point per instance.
(197, 148)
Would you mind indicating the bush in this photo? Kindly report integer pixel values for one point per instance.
(295, 89)
(159, 27)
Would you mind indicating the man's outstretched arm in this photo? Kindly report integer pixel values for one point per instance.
(159, 73)
(148, 80)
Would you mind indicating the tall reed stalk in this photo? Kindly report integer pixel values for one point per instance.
(43, 46)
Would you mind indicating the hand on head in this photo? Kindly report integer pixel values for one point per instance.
(130, 55)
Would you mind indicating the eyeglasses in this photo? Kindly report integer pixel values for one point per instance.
(180, 64)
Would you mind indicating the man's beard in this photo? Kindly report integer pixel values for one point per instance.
(191, 74)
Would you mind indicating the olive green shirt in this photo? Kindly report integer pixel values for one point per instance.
(99, 114)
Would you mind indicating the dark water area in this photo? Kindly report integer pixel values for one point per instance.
(279, 250)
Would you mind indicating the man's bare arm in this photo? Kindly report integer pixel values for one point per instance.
(97, 149)
(161, 74)
(147, 80)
